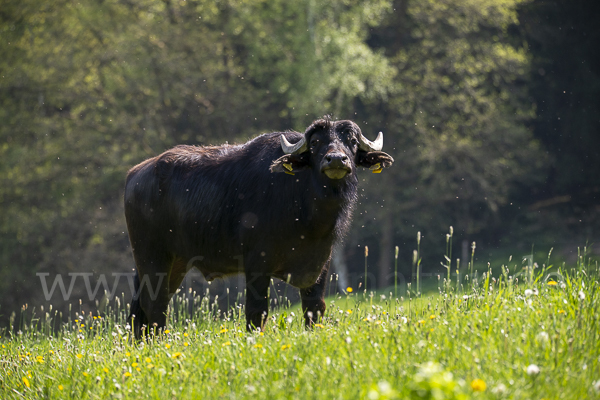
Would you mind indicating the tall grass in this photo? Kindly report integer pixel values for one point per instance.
(527, 332)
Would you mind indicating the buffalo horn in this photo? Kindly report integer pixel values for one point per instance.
(296, 148)
(366, 145)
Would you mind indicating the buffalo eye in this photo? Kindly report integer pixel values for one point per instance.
(353, 141)
(314, 143)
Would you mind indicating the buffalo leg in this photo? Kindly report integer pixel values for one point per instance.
(153, 269)
(257, 301)
(137, 318)
(313, 299)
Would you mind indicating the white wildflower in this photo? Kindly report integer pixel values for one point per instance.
(543, 337)
(581, 295)
(499, 389)
(528, 292)
(533, 370)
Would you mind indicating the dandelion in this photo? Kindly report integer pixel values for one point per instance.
(105, 370)
(226, 344)
(552, 283)
(349, 311)
(176, 355)
(85, 373)
(561, 311)
(258, 346)
(528, 292)
(421, 321)
(148, 360)
(26, 382)
(349, 289)
(149, 366)
(185, 334)
(348, 339)
(432, 317)
(186, 344)
(224, 330)
(533, 370)
(478, 385)
(80, 356)
(134, 364)
(60, 387)
(286, 346)
(319, 326)
(167, 331)
(127, 374)
(167, 346)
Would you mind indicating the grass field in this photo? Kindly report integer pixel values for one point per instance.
(492, 337)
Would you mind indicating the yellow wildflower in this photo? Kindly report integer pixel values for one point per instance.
(552, 283)
(26, 382)
(226, 344)
(105, 370)
(148, 360)
(478, 385)
(80, 356)
(349, 289)
(258, 346)
(127, 374)
(134, 364)
(176, 355)
(167, 346)
(60, 387)
(286, 346)
(224, 330)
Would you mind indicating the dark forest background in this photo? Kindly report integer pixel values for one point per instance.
(491, 110)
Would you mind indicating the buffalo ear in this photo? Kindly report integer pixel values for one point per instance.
(375, 160)
(291, 163)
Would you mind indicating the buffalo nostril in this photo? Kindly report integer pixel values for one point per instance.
(328, 158)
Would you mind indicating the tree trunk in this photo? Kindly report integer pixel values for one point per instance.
(339, 267)
(385, 252)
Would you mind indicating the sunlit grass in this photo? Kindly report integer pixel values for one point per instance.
(491, 338)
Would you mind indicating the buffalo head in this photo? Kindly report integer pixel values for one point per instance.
(332, 150)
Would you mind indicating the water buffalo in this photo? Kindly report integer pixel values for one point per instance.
(272, 207)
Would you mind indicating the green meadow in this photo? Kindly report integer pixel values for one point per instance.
(528, 332)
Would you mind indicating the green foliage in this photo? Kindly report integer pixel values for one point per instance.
(89, 89)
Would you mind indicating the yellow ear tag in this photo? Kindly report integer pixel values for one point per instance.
(288, 167)
(377, 168)
(289, 173)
